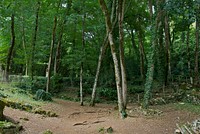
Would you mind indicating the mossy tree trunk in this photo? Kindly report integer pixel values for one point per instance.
(151, 60)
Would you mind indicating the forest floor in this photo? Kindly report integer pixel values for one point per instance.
(75, 119)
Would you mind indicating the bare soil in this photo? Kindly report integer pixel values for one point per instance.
(76, 119)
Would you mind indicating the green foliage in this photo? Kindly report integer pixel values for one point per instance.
(57, 83)
(47, 132)
(107, 93)
(42, 95)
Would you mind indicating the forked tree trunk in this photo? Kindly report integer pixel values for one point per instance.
(10, 51)
(102, 53)
(34, 41)
(51, 54)
(114, 56)
(121, 4)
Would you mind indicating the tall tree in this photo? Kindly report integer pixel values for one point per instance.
(81, 68)
(121, 4)
(196, 69)
(34, 40)
(151, 60)
(51, 54)
(10, 51)
(114, 56)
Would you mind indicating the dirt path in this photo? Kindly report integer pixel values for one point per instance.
(76, 119)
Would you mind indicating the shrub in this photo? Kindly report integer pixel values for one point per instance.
(42, 95)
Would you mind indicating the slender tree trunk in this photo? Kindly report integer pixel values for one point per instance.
(188, 54)
(121, 4)
(10, 52)
(114, 56)
(51, 54)
(134, 45)
(58, 48)
(142, 55)
(196, 69)
(34, 41)
(81, 70)
(101, 55)
(167, 48)
(25, 49)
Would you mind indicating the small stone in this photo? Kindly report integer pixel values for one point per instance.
(177, 131)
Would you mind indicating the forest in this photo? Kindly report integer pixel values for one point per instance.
(107, 59)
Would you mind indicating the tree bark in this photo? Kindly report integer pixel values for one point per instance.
(10, 52)
(121, 4)
(114, 56)
(51, 54)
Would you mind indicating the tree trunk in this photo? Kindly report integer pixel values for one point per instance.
(51, 54)
(151, 61)
(10, 52)
(134, 45)
(196, 69)
(115, 60)
(81, 70)
(142, 55)
(167, 49)
(101, 55)
(121, 4)
(25, 49)
(34, 41)
(188, 54)
(58, 49)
